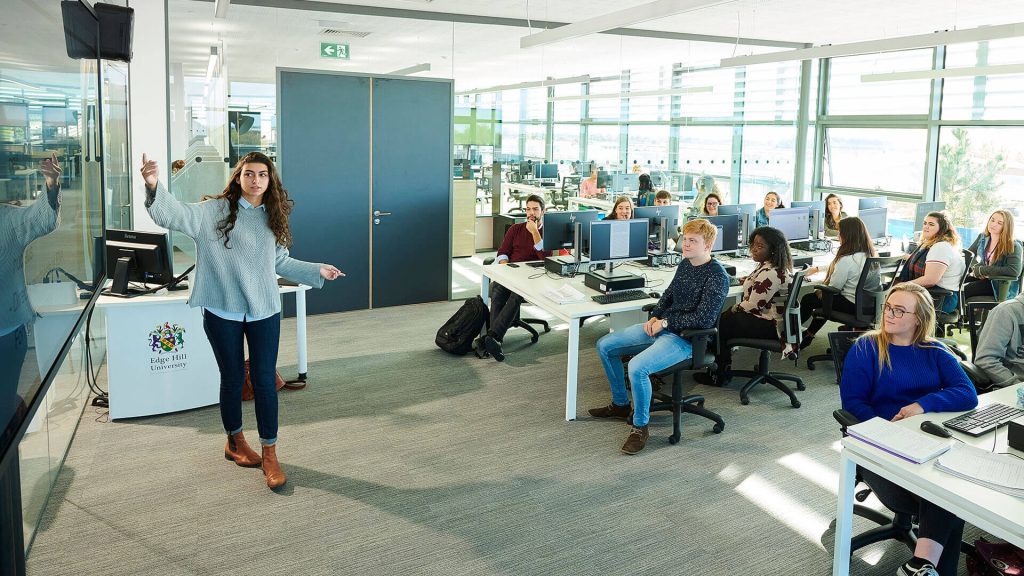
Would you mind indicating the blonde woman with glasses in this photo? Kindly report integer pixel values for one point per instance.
(896, 372)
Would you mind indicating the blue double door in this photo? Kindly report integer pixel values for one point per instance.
(367, 161)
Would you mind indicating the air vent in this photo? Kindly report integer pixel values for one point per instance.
(347, 33)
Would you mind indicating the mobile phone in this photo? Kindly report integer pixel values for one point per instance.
(513, 265)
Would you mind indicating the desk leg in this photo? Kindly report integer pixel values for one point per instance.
(300, 331)
(485, 289)
(571, 368)
(844, 516)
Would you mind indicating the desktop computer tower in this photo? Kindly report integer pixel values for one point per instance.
(603, 282)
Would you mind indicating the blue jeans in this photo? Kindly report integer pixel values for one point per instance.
(649, 354)
(263, 336)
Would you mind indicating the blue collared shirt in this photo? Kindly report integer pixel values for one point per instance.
(240, 316)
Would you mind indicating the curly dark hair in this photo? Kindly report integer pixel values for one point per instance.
(275, 199)
(779, 255)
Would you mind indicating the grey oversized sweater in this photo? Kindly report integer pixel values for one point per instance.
(1000, 352)
(19, 227)
(240, 277)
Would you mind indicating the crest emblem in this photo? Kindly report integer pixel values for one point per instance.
(167, 338)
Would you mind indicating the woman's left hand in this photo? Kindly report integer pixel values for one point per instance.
(330, 272)
(908, 411)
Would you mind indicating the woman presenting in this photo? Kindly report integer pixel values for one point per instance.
(242, 239)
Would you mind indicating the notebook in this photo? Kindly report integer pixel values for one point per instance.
(565, 294)
(996, 471)
(901, 441)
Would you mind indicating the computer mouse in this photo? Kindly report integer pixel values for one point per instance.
(935, 429)
(655, 294)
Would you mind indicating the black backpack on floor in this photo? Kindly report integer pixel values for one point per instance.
(457, 334)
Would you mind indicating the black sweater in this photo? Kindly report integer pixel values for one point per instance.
(695, 296)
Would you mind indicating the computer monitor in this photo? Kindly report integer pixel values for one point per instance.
(816, 212)
(622, 182)
(794, 223)
(875, 221)
(559, 229)
(922, 211)
(873, 202)
(603, 179)
(134, 256)
(728, 237)
(655, 214)
(746, 213)
(545, 170)
(613, 241)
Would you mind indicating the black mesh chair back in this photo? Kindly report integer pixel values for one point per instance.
(840, 344)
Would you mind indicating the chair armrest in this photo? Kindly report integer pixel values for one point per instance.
(937, 292)
(845, 419)
(953, 348)
(827, 295)
(699, 338)
(489, 260)
(698, 332)
(1002, 278)
(648, 307)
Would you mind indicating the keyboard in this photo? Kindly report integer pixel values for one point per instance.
(621, 296)
(978, 422)
(734, 281)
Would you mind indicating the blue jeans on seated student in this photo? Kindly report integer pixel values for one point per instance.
(262, 336)
(650, 355)
(949, 303)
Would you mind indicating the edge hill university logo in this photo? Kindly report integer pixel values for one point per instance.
(167, 344)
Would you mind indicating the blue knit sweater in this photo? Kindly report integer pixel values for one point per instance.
(928, 375)
(694, 298)
(239, 278)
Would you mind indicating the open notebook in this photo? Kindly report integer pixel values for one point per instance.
(565, 294)
(901, 441)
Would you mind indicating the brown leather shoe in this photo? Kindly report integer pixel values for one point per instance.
(611, 411)
(272, 468)
(238, 449)
(636, 440)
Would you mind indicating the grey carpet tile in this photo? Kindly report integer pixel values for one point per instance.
(402, 459)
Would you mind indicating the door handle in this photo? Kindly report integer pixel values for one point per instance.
(377, 213)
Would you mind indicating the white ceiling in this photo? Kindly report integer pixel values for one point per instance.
(258, 39)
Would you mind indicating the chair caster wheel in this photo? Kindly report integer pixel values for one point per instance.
(718, 428)
(673, 439)
(533, 339)
(744, 400)
(810, 365)
(796, 403)
(801, 387)
(547, 329)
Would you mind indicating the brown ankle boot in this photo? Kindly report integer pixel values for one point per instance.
(238, 449)
(636, 440)
(272, 468)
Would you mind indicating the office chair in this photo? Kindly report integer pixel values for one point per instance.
(793, 334)
(870, 293)
(946, 322)
(525, 323)
(703, 358)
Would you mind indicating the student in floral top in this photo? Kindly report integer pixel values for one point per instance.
(759, 311)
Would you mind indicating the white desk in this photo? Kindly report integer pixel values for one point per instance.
(158, 357)
(600, 203)
(999, 514)
(520, 280)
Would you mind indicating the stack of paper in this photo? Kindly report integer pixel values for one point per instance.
(565, 294)
(996, 471)
(901, 441)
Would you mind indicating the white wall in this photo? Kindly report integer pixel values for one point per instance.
(149, 111)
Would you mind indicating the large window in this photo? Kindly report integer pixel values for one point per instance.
(603, 145)
(882, 159)
(984, 97)
(647, 145)
(980, 169)
(767, 162)
(849, 95)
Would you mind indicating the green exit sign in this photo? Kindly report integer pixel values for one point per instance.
(328, 50)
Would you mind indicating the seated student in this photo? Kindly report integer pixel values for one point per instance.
(833, 215)
(758, 313)
(692, 300)
(588, 186)
(522, 243)
(855, 247)
(664, 198)
(937, 260)
(897, 372)
(621, 210)
(1000, 353)
(646, 194)
(771, 201)
(996, 253)
(711, 203)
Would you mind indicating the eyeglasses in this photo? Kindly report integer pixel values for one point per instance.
(894, 312)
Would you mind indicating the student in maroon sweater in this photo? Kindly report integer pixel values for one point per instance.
(522, 243)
